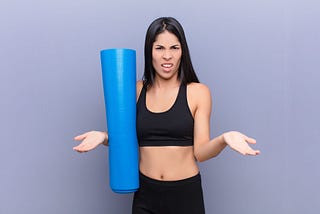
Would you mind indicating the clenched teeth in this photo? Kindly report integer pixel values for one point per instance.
(167, 65)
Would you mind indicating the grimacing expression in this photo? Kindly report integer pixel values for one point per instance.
(166, 55)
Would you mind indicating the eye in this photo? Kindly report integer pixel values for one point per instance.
(175, 47)
(158, 47)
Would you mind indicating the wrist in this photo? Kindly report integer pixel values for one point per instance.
(106, 139)
(222, 139)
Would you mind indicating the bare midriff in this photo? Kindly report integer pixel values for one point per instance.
(168, 163)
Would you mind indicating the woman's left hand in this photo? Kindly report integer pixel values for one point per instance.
(240, 143)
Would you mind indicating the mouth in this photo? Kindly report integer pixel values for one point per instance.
(167, 65)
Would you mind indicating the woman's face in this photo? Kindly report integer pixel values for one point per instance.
(166, 55)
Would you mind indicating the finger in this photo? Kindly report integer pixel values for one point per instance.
(79, 149)
(89, 147)
(76, 149)
(80, 146)
(241, 150)
(84, 147)
(246, 149)
(253, 152)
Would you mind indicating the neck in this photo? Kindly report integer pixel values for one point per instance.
(161, 83)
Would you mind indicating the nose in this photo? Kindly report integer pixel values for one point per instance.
(167, 55)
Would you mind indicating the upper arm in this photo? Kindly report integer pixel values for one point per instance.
(139, 86)
(203, 104)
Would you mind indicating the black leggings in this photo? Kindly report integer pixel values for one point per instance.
(169, 197)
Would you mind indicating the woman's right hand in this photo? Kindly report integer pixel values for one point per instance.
(90, 140)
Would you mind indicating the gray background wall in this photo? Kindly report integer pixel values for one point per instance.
(259, 58)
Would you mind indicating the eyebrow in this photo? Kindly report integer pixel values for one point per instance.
(170, 46)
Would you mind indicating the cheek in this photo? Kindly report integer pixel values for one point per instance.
(178, 54)
(155, 63)
(155, 59)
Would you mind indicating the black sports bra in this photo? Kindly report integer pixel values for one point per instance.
(173, 127)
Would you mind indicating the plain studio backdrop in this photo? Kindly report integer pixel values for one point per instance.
(259, 58)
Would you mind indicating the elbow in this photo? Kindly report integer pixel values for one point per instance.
(203, 156)
(199, 157)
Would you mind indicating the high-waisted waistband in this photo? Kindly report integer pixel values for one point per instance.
(189, 180)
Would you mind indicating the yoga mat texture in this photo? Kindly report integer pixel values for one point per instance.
(119, 84)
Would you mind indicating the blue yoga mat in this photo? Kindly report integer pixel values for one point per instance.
(119, 84)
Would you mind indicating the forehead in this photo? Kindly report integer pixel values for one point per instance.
(166, 38)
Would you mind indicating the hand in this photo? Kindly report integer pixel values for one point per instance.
(90, 140)
(240, 143)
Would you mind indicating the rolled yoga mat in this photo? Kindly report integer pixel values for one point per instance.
(119, 84)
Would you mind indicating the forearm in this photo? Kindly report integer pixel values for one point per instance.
(209, 149)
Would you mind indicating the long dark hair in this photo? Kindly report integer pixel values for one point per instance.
(186, 73)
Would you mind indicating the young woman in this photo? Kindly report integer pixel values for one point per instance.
(173, 126)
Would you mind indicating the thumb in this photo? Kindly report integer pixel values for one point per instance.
(81, 137)
(250, 140)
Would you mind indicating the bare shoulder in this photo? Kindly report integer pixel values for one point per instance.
(199, 90)
(199, 98)
(139, 84)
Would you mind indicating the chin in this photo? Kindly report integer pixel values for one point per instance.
(168, 76)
